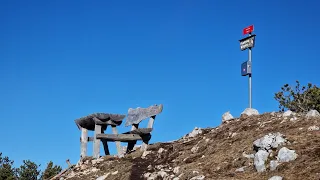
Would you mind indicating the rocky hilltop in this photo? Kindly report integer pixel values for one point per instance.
(271, 146)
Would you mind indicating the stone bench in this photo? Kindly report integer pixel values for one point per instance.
(99, 122)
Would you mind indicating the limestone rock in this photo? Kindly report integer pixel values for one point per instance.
(195, 132)
(145, 153)
(176, 170)
(313, 113)
(271, 140)
(195, 149)
(240, 169)
(226, 116)
(273, 165)
(103, 177)
(259, 160)
(160, 150)
(286, 155)
(275, 178)
(250, 112)
(287, 113)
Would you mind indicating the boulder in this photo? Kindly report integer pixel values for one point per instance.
(259, 160)
(286, 155)
(271, 140)
(226, 116)
(250, 112)
(313, 113)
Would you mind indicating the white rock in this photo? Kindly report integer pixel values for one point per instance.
(176, 170)
(226, 116)
(273, 113)
(94, 169)
(275, 178)
(200, 177)
(287, 113)
(195, 172)
(103, 177)
(194, 149)
(195, 132)
(146, 175)
(273, 165)
(114, 173)
(271, 140)
(313, 128)
(259, 160)
(145, 153)
(250, 112)
(293, 118)
(249, 156)
(313, 113)
(240, 169)
(286, 155)
(176, 178)
(160, 150)
(162, 174)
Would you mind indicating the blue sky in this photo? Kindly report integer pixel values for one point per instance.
(61, 60)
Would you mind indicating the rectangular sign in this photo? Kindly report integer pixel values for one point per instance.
(246, 68)
(247, 30)
(247, 42)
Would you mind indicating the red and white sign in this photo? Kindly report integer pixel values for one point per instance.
(247, 30)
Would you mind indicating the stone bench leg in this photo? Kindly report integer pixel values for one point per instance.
(118, 143)
(145, 141)
(96, 142)
(84, 142)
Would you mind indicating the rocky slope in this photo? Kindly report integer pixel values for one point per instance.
(268, 146)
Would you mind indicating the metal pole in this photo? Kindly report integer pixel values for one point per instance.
(250, 83)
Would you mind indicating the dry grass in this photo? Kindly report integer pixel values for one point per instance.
(220, 152)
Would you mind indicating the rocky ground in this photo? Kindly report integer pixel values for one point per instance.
(269, 146)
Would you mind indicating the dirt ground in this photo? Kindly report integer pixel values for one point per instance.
(219, 153)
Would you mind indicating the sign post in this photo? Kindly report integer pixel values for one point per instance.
(246, 68)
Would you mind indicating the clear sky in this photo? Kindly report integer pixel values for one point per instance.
(61, 60)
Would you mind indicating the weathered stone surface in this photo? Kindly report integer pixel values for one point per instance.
(271, 140)
(313, 113)
(286, 155)
(87, 122)
(275, 178)
(313, 128)
(259, 160)
(250, 112)
(273, 165)
(135, 116)
(226, 116)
